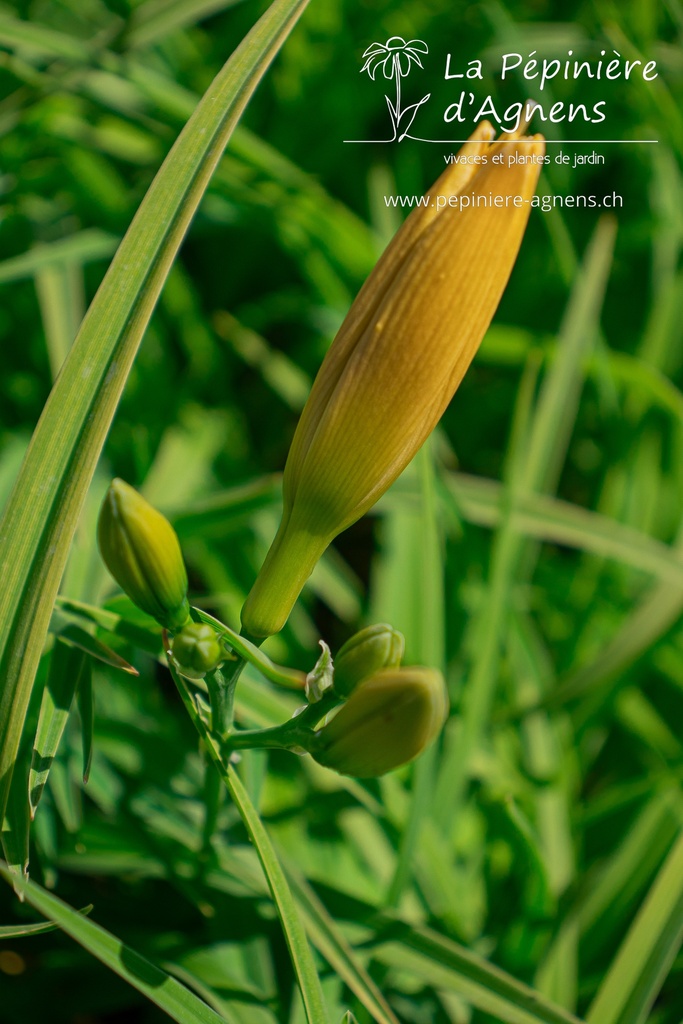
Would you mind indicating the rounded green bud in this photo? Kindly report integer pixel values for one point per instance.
(196, 650)
(366, 652)
(387, 721)
(141, 550)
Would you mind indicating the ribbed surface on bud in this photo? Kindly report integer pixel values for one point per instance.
(141, 550)
(196, 650)
(397, 360)
(371, 649)
(388, 720)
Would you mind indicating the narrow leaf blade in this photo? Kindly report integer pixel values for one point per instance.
(66, 669)
(292, 925)
(17, 931)
(160, 988)
(331, 943)
(295, 935)
(41, 514)
(640, 967)
(86, 706)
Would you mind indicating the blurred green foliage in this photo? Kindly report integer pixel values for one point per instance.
(534, 548)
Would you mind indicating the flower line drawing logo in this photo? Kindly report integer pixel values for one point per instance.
(396, 58)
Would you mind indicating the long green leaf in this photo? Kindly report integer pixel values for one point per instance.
(545, 518)
(16, 823)
(154, 20)
(607, 894)
(66, 668)
(423, 952)
(86, 706)
(648, 951)
(434, 974)
(425, 622)
(657, 612)
(536, 456)
(172, 997)
(26, 35)
(41, 515)
(147, 637)
(75, 636)
(59, 288)
(330, 941)
(292, 926)
(15, 931)
(428, 955)
(228, 510)
(83, 247)
(299, 950)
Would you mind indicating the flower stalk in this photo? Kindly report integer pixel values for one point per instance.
(222, 697)
(298, 734)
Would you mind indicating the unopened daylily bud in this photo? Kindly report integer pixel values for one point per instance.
(196, 650)
(141, 550)
(388, 720)
(366, 652)
(398, 358)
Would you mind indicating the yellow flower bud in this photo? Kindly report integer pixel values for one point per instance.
(141, 550)
(397, 360)
(196, 650)
(366, 652)
(388, 720)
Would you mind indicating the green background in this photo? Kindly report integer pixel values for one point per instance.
(535, 835)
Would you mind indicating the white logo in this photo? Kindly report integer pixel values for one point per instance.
(468, 107)
(396, 58)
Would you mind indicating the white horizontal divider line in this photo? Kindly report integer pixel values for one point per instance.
(510, 142)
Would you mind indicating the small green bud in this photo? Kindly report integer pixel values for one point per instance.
(387, 721)
(141, 550)
(366, 652)
(196, 650)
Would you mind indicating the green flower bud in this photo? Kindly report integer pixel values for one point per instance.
(196, 650)
(371, 649)
(388, 720)
(141, 550)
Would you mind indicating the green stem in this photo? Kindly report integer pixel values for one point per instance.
(279, 737)
(222, 694)
(297, 732)
(292, 926)
(291, 559)
(213, 789)
(247, 651)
